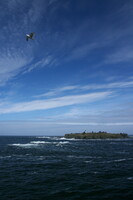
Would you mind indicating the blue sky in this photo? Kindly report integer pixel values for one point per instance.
(77, 73)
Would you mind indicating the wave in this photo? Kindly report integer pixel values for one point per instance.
(70, 139)
(56, 138)
(84, 157)
(52, 138)
(44, 142)
(42, 137)
(130, 178)
(65, 142)
(110, 161)
(88, 161)
(27, 145)
(4, 157)
(38, 143)
(119, 160)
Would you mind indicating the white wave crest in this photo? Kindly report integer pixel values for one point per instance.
(65, 142)
(37, 143)
(28, 145)
(42, 137)
(130, 178)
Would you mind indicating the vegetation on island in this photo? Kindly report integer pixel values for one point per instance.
(96, 135)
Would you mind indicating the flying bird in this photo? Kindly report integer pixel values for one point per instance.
(29, 36)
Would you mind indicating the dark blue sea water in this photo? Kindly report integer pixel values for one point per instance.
(53, 168)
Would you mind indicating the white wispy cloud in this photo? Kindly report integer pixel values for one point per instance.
(16, 54)
(122, 54)
(73, 41)
(108, 114)
(108, 34)
(84, 88)
(113, 85)
(11, 64)
(96, 124)
(82, 51)
(44, 62)
(52, 1)
(58, 91)
(41, 128)
(54, 103)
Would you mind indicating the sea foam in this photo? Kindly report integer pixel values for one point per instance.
(38, 143)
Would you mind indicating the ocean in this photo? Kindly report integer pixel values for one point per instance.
(55, 168)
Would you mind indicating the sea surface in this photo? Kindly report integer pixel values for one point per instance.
(55, 168)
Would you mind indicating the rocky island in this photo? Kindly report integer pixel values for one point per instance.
(96, 135)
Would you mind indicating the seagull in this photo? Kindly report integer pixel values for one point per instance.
(30, 36)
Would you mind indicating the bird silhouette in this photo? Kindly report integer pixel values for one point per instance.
(29, 36)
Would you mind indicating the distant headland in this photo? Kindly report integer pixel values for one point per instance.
(96, 135)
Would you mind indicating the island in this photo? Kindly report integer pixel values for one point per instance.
(96, 135)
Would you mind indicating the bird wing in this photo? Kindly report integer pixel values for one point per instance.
(31, 35)
(27, 37)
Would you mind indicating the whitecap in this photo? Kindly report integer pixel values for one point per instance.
(62, 143)
(113, 161)
(72, 139)
(83, 157)
(88, 161)
(65, 142)
(69, 139)
(28, 145)
(39, 142)
(62, 138)
(42, 137)
(121, 160)
(42, 142)
(45, 142)
(4, 157)
(130, 178)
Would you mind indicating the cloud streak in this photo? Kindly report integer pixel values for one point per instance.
(55, 102)
(11, 64)
(17, 57)
(83, 88)
(95, 123)
(16, 54)
(58, 91)
(123, 54)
